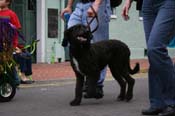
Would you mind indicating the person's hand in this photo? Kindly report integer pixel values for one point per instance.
(125, 10)
(90, 12)
(18, 50)
(66, 10)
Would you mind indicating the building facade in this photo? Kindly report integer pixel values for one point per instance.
(41, 20)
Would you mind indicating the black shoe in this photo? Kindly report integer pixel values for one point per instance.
(26, 82)
(152, 111)
(99, 92)
(17, 82)
(169, 111)
(98, 95)
(85, 87)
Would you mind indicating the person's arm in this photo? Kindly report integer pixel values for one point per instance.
(16, 23)
(18, 50)
(15, 20)
(70, 3)
(97, 2)
(68, 8)
(95, 5)
(125, 10)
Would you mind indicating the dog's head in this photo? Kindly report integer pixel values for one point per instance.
(78, 35)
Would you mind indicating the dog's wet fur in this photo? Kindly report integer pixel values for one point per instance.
(87, 60)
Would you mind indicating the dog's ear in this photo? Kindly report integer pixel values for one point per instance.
(65, 39)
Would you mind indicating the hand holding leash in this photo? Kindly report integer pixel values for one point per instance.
(91, 12)
(94, 17)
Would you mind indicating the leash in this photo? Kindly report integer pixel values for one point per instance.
(95, 17)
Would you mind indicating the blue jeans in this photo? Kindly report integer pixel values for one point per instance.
(102, 33)
(25, 62)
(159, 26)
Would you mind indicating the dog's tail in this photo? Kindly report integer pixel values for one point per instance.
(135, 70)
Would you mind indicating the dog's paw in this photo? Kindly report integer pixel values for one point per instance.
(75, 102)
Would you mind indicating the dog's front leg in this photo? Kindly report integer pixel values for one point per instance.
(78, 90)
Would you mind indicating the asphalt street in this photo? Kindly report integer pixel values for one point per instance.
(51, 98)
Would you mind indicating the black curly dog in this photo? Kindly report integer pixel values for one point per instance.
(87, 60)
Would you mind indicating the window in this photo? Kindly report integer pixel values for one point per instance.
(31, 4)
(52, 23)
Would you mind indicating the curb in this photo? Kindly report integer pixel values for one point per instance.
(67, 81)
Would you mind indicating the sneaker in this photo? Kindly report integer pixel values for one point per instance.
(152, 111)
(85, 87)
(26, 82)
(99, 92)
(169, 111)
(98, 95)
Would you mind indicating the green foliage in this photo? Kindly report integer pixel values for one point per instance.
(6, 59)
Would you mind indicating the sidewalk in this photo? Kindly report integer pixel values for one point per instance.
(43, 72)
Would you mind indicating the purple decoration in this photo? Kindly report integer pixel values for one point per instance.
(7, 32)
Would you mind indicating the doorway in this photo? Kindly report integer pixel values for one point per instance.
(26, 11)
